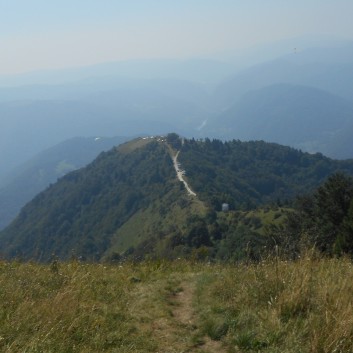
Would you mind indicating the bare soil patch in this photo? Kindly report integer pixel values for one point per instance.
(185, 315)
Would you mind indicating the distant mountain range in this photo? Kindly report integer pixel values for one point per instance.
(304, 117)
(196, 98)
(201, 70)
(32, 177)
(43, 116)
(327, 68)
(130, 200)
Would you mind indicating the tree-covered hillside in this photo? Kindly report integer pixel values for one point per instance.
(130, 202)
(32, 177)
(248, 174)
(80, 213)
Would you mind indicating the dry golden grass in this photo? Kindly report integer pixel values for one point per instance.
(273, 306)
(302, 306)
(75, 308)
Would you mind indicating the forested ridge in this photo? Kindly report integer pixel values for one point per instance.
(79, 213)
(129, 203)
(248, 174)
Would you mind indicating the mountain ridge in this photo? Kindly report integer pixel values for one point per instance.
(129, 199)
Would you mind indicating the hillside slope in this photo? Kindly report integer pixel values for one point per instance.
(30, 178)
(129, 199)
(249, 174)
(81, 212)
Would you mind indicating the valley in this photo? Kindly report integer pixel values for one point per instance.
(176, 176)
(271, 100)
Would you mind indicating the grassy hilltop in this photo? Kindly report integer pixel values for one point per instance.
(271, 306)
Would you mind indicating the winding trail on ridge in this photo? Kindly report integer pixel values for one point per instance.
(180, 174)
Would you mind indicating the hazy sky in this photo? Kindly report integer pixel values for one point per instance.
(40, 34)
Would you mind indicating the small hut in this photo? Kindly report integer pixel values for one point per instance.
(225, 207)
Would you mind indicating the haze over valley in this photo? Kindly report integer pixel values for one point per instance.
(176, 176)
(293, 91)
(312, 85)
(199, 69)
